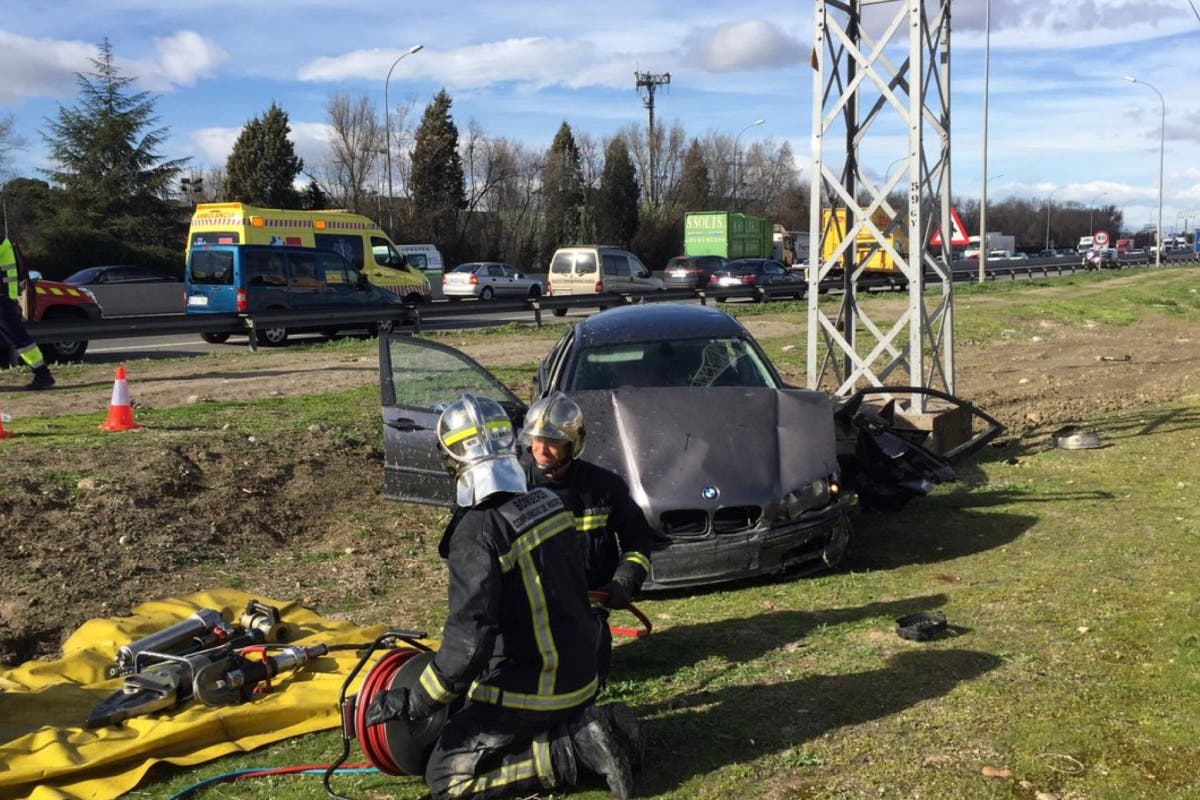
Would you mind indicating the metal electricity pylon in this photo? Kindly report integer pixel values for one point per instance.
(875, 81)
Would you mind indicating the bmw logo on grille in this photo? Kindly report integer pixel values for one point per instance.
(710, 493)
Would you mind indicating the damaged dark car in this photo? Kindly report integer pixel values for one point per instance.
(739, 474)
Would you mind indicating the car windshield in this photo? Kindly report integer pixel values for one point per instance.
(690, 362)
(84, 275)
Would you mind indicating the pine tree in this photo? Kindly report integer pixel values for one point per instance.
(263, 165)
(438, 192)
(562, 194)
(616, 207)
(107, 162)
(694, 190)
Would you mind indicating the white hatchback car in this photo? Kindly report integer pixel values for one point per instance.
(488, 280)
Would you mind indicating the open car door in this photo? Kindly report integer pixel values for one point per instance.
(417, 379)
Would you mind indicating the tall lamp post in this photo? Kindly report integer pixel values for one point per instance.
(1049, 206)
(387, 133)
(987, 63)
(1162, 143)
(737, 151)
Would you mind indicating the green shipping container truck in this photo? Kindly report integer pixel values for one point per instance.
(727, 234)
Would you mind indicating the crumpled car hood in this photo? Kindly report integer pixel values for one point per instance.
(751, 444)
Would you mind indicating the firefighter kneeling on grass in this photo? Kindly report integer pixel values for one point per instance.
(518, 639)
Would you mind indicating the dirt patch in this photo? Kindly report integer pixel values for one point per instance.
(93, 533)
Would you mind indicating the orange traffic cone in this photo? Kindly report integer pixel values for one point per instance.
(3, 433)
(120, 412)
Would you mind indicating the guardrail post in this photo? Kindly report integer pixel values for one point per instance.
(703, 297)
(416, 319)
(536, 304)
(252, 332)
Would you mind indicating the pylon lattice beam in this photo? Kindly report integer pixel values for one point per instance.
(863, 95)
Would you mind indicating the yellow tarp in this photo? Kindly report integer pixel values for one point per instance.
(45, 754)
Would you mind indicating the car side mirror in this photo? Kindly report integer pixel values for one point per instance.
(35, 275)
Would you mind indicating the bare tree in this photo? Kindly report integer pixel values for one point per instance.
(9, 141)
(356, 142)
(670, 147)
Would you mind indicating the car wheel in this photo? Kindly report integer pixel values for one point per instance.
(65, 352)
(215, 338)
(273, 337)
(329, 333)
(560, 312)
(486, 294)
(721, 299)
(453, 299)
(535, 292)
(761, 295)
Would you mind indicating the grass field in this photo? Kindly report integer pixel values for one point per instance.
(1070, 670)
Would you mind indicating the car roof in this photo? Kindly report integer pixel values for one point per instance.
(639, 323)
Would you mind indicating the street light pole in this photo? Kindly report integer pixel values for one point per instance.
(1049, 205)
(387, 133)
(737, 179)
(1162, 144)
(987, 62)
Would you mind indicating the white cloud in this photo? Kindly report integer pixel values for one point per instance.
(179, 60)
(749, 45)
(39, 67)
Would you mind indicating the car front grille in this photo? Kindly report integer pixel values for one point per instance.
(696, 522)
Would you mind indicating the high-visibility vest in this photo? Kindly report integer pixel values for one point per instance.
(8, 269)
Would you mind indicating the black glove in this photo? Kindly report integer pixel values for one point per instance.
(388, 705)
(620, 593)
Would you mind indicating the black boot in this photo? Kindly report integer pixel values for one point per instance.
(600, 747)
(629, 726)
(42, 379)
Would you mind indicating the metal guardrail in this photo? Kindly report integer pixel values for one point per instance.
(415, 316)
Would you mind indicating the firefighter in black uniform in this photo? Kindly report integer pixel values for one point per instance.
(517, 641)
(12, 328)
(618, 538)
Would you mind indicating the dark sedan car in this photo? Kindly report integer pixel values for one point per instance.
(691, 272)
(768, 276)
(738, 474)
(116, 274)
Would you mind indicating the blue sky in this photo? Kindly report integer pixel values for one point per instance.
(1063, 124)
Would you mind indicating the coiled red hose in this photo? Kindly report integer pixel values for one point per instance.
(371, 738)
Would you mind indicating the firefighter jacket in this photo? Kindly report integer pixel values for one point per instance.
(519, 632)
(618, 538)
(9, 276)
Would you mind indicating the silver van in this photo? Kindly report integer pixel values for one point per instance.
(597, 269)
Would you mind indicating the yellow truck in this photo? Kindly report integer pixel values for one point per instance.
(356, 237)
(833, 230)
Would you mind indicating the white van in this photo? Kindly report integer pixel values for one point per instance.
(426, 259)
(595, 269)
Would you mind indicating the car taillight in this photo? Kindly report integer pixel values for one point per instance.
(599, 287)
(241, 300)
(712, 278)
(549, 286)
(445, 279)
(747, 279)
(473, 280)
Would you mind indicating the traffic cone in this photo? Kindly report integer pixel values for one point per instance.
(120, 412)
(3, 433)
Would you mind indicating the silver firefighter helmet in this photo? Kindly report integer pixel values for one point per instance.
(556, 417)
(477, 438)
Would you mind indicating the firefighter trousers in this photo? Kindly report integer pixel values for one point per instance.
(488, 751)
(13, 333)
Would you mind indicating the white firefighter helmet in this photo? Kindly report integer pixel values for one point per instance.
(477, 438)
(557, 417)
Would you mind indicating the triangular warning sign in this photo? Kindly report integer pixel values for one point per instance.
(958, 233)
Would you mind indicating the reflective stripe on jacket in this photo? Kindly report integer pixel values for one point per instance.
(519, 632)
(618, 537)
